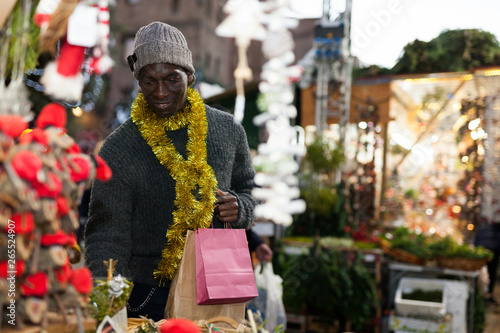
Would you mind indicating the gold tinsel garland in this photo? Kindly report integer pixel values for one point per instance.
(189, 213)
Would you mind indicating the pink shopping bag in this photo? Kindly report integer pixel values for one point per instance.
(224, 272)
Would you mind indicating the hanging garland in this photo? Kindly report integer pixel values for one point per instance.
(194, 173)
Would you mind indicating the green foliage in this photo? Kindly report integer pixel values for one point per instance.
(449, 248)
(372, 70)
(408, 240)
(325, 200)
(322, 283)
(31, 40)
(102, 304)
(322, 158)
(325, 214)
(411, 194)
(452, 51)
(320, 198)
(479, 311)
(424, 295)
(147, 326)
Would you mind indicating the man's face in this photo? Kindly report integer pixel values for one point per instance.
(164, 87)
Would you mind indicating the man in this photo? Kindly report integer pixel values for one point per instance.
(177, 165)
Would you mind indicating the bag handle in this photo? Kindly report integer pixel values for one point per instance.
(226, 225)
(223, 319)
(233, 323)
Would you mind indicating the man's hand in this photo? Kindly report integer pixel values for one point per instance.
(264, 253)
(226, 208)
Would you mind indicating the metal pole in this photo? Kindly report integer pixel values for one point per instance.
(347, 68)
(326, 12)
(320, 95)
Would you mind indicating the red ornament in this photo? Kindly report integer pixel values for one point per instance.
(37, 135)
(50, 188)
(23, 223)
(59, 238)
(62, 206)
(64, 273)
(82, 280)
(74, 149)
(35, 285)
(79, 167)
(62, 79)
(12, 125)
(27, 165)
(5, 267)
(179, 325)
(52, 114)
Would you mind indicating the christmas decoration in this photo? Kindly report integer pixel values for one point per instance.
(60, 23)
(244, 24)
(42, 178)
(101, 63)
(193, 116)
(109, 297)
(276, 158)
(16, 42)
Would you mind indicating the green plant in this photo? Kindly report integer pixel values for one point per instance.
(408, 240)
(323, 157)
(424, 295)
(449, 248)
(102, 303)
(324, 284)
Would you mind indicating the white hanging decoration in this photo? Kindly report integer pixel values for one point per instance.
(244, 24)
(275, 161)
(101, 62)
(14, 97)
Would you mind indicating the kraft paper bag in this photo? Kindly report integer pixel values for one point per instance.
(6, 10)
(181, 301)
(224, 271)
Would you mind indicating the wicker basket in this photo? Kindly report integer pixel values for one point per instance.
(219, 323)
(463, 264)
(401, 255)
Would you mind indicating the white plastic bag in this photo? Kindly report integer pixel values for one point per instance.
(270, 299)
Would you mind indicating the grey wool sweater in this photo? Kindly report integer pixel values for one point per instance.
(129, 215)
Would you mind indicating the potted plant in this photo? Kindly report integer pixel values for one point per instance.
(448, 253)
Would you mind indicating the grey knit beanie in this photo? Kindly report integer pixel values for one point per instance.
(159, 42)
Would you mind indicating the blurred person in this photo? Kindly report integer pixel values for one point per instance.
(257, 245)
(488, 236)
(177, 164)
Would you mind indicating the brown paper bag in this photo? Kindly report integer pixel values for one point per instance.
(182, 297)
(5, 10)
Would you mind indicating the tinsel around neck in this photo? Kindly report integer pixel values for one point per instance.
(192, 175)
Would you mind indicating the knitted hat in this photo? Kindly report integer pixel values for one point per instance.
(159, 42)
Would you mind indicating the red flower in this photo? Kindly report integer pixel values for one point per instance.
(179, 325)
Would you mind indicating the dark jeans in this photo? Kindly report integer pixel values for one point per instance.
(148, 301)
(492, 270)
(488, 236)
